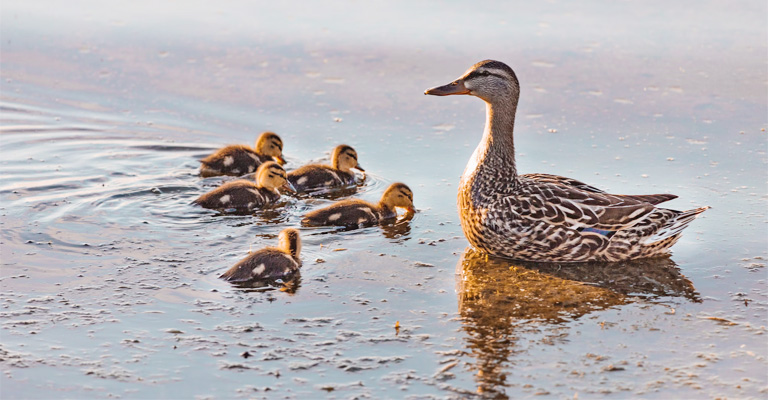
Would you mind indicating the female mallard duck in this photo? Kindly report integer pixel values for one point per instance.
(245, 194)
(270, 263)
(315, 176)
(355, 212)
(541, 217)
(239, 160)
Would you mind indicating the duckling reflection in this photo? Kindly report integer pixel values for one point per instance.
(499, 298)
(288, 286)
(399, 230)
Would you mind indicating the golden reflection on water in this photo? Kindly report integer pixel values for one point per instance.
(499, 297)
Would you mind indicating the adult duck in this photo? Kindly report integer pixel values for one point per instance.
(542, 217)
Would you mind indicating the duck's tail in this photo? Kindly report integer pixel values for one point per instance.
(670, 232)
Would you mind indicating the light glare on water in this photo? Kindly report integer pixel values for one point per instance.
(109, 285)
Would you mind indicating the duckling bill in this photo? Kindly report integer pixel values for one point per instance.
(236, 160)
(339, 173)
(270, 263)
(243, 194)
(358, 213)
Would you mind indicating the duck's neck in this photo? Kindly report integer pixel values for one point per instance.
(496, 149)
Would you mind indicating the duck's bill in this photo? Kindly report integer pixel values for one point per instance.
(455, 87)
(280, 160)
(359, 168)
(289, 187)
(410, 210)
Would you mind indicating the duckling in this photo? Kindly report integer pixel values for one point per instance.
(356, 212)
(239, 159)
(245, 194)
(314, 176)
(270, 263)
(542, 217)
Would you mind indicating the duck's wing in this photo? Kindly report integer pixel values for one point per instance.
(561, 180)
(568, 206)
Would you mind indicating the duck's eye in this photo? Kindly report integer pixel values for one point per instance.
(400, 195)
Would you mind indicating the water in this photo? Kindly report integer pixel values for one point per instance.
(108, 283)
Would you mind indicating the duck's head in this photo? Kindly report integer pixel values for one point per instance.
(290, 242)
(271, 176)
(398, 195)
(269, 144)
(344, 158)
(490, 80)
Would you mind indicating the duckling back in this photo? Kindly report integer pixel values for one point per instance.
(234, 160)
(315, 176)
(351, 212)
(266, 264)
(239, 194)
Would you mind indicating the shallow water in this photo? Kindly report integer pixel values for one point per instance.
(108, 285)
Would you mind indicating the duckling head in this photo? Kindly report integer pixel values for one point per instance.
(344, 158)
(271, 176)
(269, 144)
(398, 195)
(492, 81)
(290, 242)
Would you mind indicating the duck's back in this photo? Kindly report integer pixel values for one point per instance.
(239, 194)
(232, 160)
(315, 176)
(265, 264)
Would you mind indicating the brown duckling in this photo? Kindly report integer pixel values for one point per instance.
(315, 176)
(280, 262)
(239, 159)
(355, 212)
(245, 194)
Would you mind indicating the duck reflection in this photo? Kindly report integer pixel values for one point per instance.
(497, 297)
